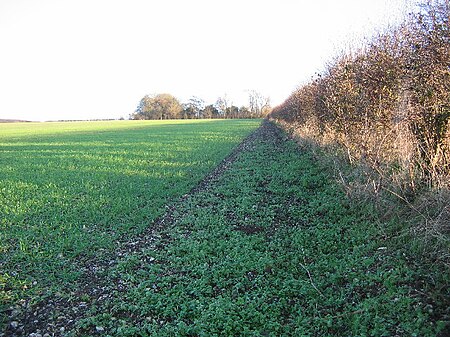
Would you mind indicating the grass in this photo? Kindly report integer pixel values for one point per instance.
(272, 248)
(69, 191)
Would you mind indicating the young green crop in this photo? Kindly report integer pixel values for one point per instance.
(271, 248)
(68, 191)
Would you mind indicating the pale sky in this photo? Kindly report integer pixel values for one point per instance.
(85, 59)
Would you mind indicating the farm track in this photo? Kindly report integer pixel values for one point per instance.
(58, 315)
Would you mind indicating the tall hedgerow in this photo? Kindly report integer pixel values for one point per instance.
(388, 105)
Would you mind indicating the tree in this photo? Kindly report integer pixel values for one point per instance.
(210, 111)
(194, 108)
(244, 112)
(161, 106)
(222, 105)
(232, 112)
(259, 105)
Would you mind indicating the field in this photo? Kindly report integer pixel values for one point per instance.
(68, 191)
(142, 237)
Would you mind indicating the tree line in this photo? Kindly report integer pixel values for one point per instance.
(167, 106)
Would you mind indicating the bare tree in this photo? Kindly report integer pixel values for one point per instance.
(259, 104)
(223, 104)
(194, 108)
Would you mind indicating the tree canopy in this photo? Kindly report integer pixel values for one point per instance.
(166, 106)
(161, 106)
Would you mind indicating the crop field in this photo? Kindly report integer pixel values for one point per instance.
(133, 229)
(69, 191)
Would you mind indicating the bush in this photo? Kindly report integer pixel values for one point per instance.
(389, 101)
(388, 105)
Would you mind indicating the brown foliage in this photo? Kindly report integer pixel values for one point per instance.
(388, 106)
(389, 102)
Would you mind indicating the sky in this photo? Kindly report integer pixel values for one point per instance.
(93, 59)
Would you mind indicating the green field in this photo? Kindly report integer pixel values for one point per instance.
(69, 191)
(272, 248)
(106, 232)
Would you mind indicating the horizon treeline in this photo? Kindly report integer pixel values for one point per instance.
(167, 106)
(387, 103)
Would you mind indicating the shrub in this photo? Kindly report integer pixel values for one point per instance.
(388, 105)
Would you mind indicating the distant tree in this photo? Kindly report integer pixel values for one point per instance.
(193, 108)
(244, 112)
(210, 111)
(166, 106)
(222, 105)
(232, 112)
(139, 112)
(187, 112)
(259, 105)
(161, 106)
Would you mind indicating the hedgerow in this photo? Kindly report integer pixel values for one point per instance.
(387, 104)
